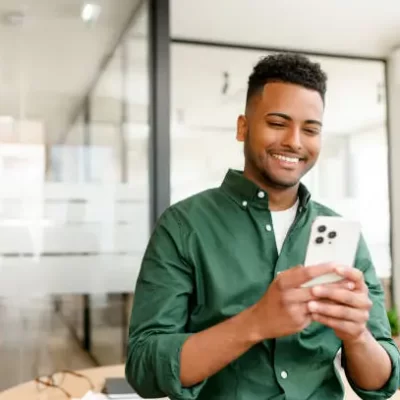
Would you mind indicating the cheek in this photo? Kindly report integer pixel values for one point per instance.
(313, 146)
(264, 137)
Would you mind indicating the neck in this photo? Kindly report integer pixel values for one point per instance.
(279, 198)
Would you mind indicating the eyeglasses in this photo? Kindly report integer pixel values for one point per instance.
(57, 379)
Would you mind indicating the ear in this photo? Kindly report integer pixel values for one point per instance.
(241, 128)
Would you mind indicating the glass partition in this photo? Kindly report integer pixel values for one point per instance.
(119, 175)
(68, 258)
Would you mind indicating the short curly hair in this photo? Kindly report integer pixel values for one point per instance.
(290, 68)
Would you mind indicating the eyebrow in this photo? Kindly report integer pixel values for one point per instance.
(288, 118)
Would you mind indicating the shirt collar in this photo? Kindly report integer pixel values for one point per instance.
(244, 191)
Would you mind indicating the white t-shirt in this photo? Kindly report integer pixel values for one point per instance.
(282, 221)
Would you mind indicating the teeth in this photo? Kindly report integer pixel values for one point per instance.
(293, 160)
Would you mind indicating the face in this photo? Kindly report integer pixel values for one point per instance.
(281, 132)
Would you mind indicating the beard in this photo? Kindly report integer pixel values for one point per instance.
(257, 167)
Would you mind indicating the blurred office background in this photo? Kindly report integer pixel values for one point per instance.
(112, 110)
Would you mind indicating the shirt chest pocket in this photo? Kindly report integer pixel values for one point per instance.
(229, 279)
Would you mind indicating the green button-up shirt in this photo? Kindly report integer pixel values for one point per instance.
(209, 258)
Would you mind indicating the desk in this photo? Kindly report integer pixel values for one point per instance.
(78, 387)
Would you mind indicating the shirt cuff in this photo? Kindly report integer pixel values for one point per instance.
(391, 386)
(169, 348)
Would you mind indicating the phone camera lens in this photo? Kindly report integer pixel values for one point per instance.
(332, 235)
(319, 240)
(322, 228)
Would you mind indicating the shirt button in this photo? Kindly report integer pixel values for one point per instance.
(283, 374)
(268, 228)
(261, 195)
(244, 203)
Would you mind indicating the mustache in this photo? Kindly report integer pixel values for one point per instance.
(287, 153)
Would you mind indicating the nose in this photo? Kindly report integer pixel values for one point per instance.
(292, 139)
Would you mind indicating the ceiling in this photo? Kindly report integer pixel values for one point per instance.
(357, 27)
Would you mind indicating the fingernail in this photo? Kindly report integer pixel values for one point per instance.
(351, 285)
(313, 306)
(317, 290)
(340, 270)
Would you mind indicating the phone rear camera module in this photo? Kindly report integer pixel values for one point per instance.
(332, 235)
(322, 228)
(319, 240)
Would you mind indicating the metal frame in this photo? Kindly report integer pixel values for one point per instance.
(124, 162)
(240, 46)
(87, 134)
(159, 62)
(87, 323)
(124, 111)
(390, 189)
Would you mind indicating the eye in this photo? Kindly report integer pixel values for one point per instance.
(276, 124)
(312, 132)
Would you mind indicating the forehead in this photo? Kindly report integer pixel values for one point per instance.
(294, 100)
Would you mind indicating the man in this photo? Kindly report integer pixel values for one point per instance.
(220, 311)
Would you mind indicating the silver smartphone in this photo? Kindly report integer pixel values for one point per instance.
(332, 240)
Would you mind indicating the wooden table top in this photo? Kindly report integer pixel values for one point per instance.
(74, 385)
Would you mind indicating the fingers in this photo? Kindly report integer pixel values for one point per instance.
(351, 274)
(294, 296)
(302, 295)
(343, 296)
(295, 277)
(350, 328)
(344, 284)
(339, 312)
(299, 315)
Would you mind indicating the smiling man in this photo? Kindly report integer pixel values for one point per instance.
(220, 310)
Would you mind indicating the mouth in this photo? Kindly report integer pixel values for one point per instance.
(289, 160)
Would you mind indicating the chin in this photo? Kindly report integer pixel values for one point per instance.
(286, 184)
(281, 182)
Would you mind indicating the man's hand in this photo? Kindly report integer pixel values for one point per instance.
(281, 311)
(284, 309)
(346, 311)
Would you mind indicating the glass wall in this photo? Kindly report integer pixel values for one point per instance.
(207, 98)
(118, 142)
(113, 180)
(72, 121)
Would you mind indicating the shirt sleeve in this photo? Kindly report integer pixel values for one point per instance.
(378, 325)
(160, 314)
